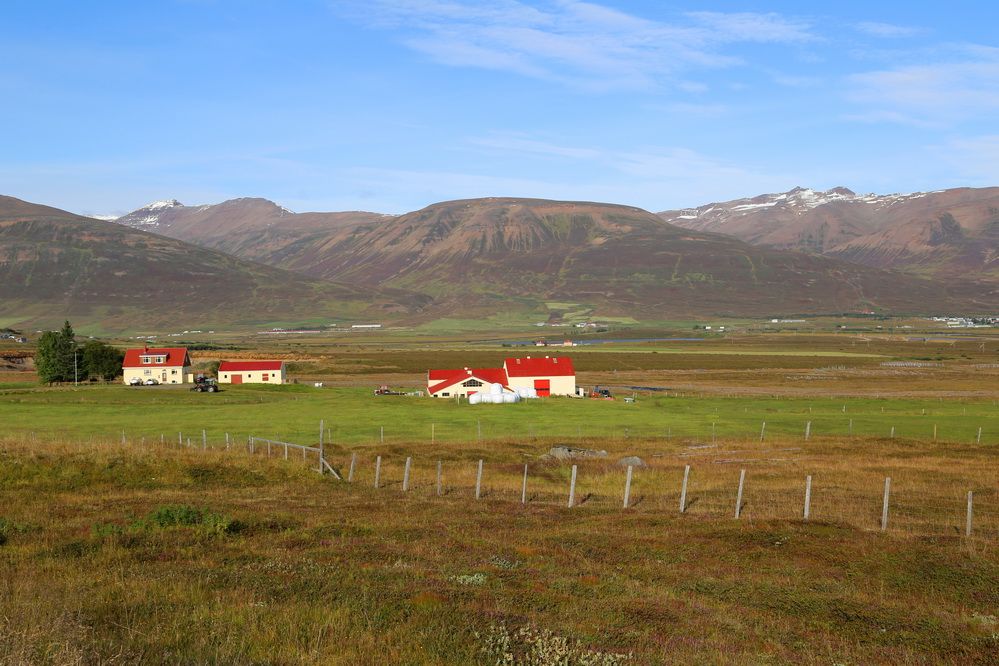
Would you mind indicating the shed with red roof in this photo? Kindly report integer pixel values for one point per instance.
(549, 375)
(252, 372)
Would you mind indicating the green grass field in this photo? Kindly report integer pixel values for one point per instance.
(355, 417)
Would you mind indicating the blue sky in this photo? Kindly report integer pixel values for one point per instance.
(392, 105)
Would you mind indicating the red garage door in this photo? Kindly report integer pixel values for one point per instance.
(543, 387)
(237, 379)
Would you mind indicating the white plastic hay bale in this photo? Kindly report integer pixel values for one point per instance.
(496, 388)
(511, 397)
(475, 398)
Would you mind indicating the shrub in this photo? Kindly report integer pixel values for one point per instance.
(189, 516)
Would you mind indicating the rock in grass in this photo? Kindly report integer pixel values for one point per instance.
(571, 452)
(633, 461)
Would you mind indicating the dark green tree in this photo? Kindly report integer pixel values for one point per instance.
(56, 355)
(101, 361)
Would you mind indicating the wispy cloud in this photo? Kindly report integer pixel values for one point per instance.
(889, 30)
(937, 93)
(652, 176)
(580, 44)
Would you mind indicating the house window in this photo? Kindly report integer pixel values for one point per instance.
(160, 359)
(173, 372)
(265, 377)
(147, 371)
(472, 382)
(147, 359)
(445, 395)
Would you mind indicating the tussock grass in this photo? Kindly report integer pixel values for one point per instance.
(107, 558)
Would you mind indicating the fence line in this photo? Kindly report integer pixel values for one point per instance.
(901, 512)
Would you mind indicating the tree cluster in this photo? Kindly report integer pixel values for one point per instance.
(60, 359)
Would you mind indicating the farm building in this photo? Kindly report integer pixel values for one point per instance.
(252, 372)
(548, 375)
(166, 365)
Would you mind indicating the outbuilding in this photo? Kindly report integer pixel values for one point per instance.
(547, 375)
(165, 365)
(251, 372)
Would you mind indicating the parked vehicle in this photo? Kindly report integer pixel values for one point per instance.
(151, 382)
(601, 393)
(385, 390)
(205, 385)
(135, 381)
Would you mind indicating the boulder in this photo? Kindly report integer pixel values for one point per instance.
(571, 453)
(633, 461)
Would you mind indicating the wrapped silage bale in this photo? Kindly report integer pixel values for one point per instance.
(511, 397)
(496, 389)
(475, 398)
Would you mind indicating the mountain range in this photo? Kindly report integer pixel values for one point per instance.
(250, 260)
(56, 265)
(945, 234)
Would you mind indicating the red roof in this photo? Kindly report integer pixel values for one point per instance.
(452, 377)
(249, 366)
(173, 357)
(544, 366)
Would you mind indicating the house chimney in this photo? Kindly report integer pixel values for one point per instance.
(145, 346)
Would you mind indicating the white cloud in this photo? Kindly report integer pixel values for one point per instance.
(937, 93)
(752, 27)
(579, 44)
(890, 30)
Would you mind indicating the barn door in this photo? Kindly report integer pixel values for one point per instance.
(237, 379)
(543, 387)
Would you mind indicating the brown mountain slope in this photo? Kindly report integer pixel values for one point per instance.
(54, 265)
(950, 233)
(251, 228)
(493, 254)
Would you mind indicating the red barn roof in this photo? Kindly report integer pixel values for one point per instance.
(485, 375)
(249, 366)
(544, 366)
(173, 357)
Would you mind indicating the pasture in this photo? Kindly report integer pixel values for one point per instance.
(137, 525)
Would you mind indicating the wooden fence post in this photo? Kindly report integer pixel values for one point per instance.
(892, 432)
(763, 430)
(934, 432)
(478, 481)
(250, 439)
(180, 439)
(884, 505)
(978, 440)
(440, 475)
(433, 433)
(204, 440)
(322, 456)
(353, 463)
(808, 495)
(523, 487)
(738, 497)
(808, 430)
(967, 519)
(286, 450)
(405, 474)
(378, 470)
(382, 434)
(683, 489)
(627, 487)
(572, 487)
(227, 441)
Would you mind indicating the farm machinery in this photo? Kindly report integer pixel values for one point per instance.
(205, 385)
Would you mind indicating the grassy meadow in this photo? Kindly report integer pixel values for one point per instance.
(142, 553)
(124, 538)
